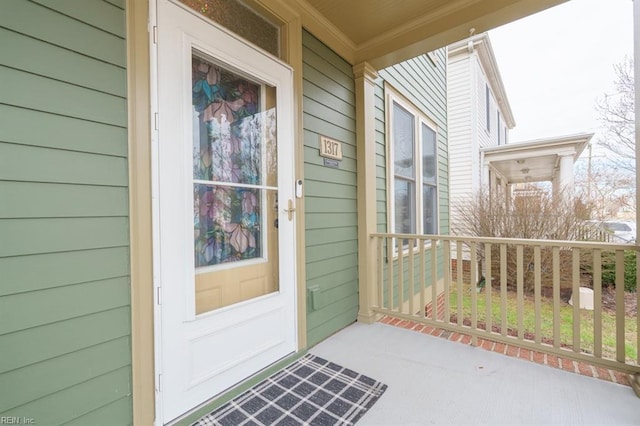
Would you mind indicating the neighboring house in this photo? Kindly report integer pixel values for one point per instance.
(479, 115)
(168, 225)
(480, 153)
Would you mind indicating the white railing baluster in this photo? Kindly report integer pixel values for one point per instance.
(459, 280)
(423, 283)
(390, 272)
(487, 288)
(520, 289)
(620, 317)
(380, 277)
(556, 296)
(400, 243)
(597, 303)
(537, 283)
(474, 293)
(412, 274)
(503, 290)
(575, 277)
(434, 281)
(447, 280)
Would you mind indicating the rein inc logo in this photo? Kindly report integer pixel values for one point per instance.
(14, 420)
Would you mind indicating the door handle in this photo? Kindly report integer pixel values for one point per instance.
(290, 210)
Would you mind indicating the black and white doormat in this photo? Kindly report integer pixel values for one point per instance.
(311, 391)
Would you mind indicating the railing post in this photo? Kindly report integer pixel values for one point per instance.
(365, 76)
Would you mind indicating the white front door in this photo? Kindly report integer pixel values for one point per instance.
(225, 243)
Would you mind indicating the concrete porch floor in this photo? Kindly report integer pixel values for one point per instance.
(435, 381)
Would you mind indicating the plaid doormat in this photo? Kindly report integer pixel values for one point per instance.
(311, 391)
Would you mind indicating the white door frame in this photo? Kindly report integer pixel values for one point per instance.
(155, 178)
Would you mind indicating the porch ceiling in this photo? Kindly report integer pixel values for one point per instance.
(534, 161)
(385, 32)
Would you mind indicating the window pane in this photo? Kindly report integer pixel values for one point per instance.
(234, 143)
(403, 137)
(429, 209)
(231, 117)
(429, 163)
(404, 192)
(227, 224)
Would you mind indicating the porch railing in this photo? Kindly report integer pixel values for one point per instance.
(516, 292)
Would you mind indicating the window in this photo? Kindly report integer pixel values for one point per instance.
(413, 168)
(242, 20)
(488, 106)
(498, 125)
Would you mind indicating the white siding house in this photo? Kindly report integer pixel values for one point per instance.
(479, 114)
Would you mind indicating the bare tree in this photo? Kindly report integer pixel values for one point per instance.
(607, 190)
(617, 117)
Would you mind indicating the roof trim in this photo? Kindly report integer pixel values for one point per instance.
(482, 45)
(577, 140)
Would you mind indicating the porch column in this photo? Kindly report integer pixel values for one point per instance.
(565, 176)
(635, 379)
(485, 181)
(365, 76)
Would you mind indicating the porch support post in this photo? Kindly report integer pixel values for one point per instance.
(141, 257)
(635, 379)
(565, 179)
(486, 179)
(365, 76)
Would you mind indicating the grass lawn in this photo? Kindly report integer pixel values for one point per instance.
(566, 321)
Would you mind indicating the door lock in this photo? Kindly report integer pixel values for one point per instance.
(290, 210)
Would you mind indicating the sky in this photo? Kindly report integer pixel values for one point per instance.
(555, 64)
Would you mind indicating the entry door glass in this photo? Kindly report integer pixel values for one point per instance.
(234, 185)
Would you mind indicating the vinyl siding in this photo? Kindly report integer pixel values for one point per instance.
(460, 130)
(64, 258)
(484, 134)
(331, 219)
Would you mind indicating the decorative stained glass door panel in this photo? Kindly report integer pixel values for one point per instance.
(224, 249)
(234, 186)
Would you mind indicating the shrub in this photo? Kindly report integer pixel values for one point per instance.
(534, 214)
(609, 270)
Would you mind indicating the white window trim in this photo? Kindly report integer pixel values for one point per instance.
(393, 96)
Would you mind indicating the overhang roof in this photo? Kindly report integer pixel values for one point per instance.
(533, 161)
(386, 32)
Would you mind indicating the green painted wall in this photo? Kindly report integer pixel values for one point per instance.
(65, 345)
(423, 81)
(330, 194)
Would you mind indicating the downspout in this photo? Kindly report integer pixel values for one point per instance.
(635, 379)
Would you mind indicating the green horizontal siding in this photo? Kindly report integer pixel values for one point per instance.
(33, 91)
(60, 64)
(50, 26)
(98, 200)
(52, 165)
(424, 84)
(331, 218)
(59, 132)
(65, 320)
(51, 270)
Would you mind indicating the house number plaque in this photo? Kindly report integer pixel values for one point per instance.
(330, 148)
